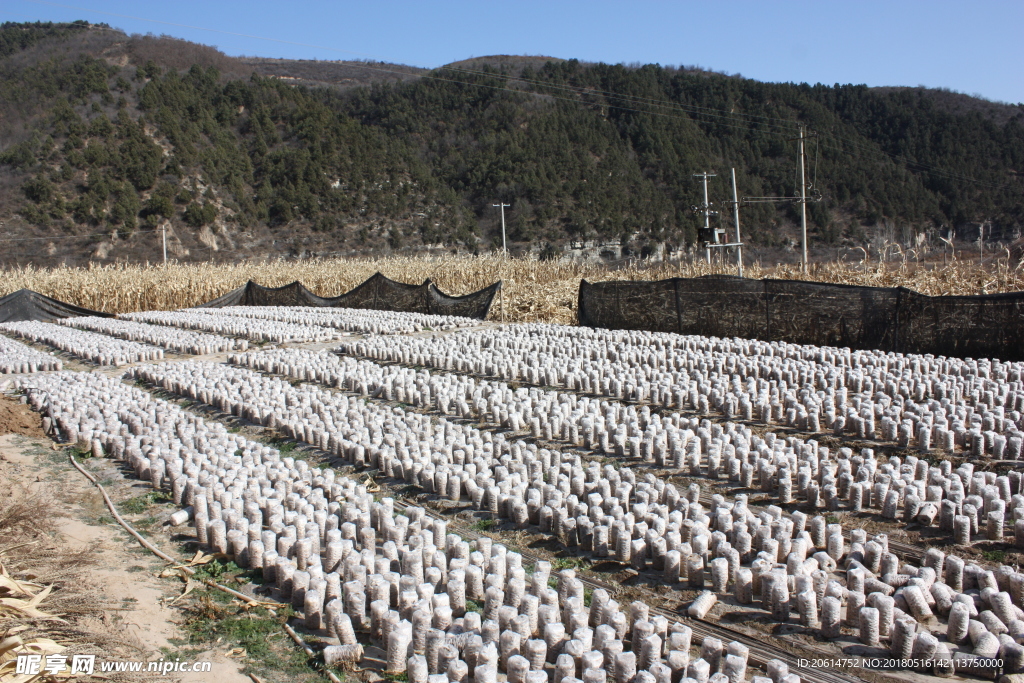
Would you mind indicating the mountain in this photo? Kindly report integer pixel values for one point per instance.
(110, 141)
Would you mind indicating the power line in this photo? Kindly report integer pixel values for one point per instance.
(667, 104)
(865, 149)
(74, 237)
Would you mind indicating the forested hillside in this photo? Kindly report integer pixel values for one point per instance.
(112, 138)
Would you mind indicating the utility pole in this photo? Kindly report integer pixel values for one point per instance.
(736, 218)
(163, 228)
(504, 248)
(982, 240)
(803, 204)
(706, 208)
(802, 199)
(504, 251)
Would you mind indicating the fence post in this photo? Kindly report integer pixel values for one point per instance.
(679, 312)
(618, 303)
(899, 317)
(579, 305)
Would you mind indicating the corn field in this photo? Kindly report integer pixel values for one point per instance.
(534, 290)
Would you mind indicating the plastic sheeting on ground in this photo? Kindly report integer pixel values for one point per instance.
(888, 319)
(378, 293)
(28, 305)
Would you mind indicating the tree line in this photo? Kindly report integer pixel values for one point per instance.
(581, 151)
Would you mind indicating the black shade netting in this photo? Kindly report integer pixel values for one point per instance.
(252, 294)
(376, 293)
(28, 305)
(888, 319)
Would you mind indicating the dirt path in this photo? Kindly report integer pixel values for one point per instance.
(137, 601)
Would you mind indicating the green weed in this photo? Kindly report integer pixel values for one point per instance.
(560, 563)
(81, 453)
(139, 504)
(217, 569)
(993, 555)
(257, 629)
(285, 447)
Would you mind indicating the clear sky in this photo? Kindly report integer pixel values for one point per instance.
(973, 46)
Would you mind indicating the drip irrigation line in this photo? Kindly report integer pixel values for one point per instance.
(308, 650)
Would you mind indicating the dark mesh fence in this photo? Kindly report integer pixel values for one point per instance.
(252, 294)
(384, 294)
(474, 305)
(377, 293)
(832, 315)
(965, 326)
(731, 306)
(629, 305)
(28, 305)
(889, 319)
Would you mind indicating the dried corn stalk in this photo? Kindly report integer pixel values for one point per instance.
(534, 290)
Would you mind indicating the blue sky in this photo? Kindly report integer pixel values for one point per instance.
(975, 47)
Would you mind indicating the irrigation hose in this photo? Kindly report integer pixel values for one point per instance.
(191, 572)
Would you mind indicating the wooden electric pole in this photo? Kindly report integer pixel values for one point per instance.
(736, 218)
(706, 209)
(802, 199)
(803, 205)
(504, 248)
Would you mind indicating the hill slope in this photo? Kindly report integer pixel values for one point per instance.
(108, 140)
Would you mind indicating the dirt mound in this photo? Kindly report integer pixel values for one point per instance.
(18, 418)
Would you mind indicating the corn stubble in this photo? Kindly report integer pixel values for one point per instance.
(535, 291)
(51, 604)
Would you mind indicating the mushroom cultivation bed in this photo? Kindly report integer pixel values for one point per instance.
(959, 501)
(363, 572)
(231, 325)
(98, 348)
(587, 466)
(179, 341)
(15, 357)
(916, 401)
(357, 320)
(790, 560)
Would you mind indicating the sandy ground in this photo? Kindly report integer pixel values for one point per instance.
(126, 575)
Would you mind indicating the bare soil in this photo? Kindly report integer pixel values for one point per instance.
(18, 418)
(136, 602)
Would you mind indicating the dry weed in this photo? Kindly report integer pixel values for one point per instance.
(48, 604)
(534, 290)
